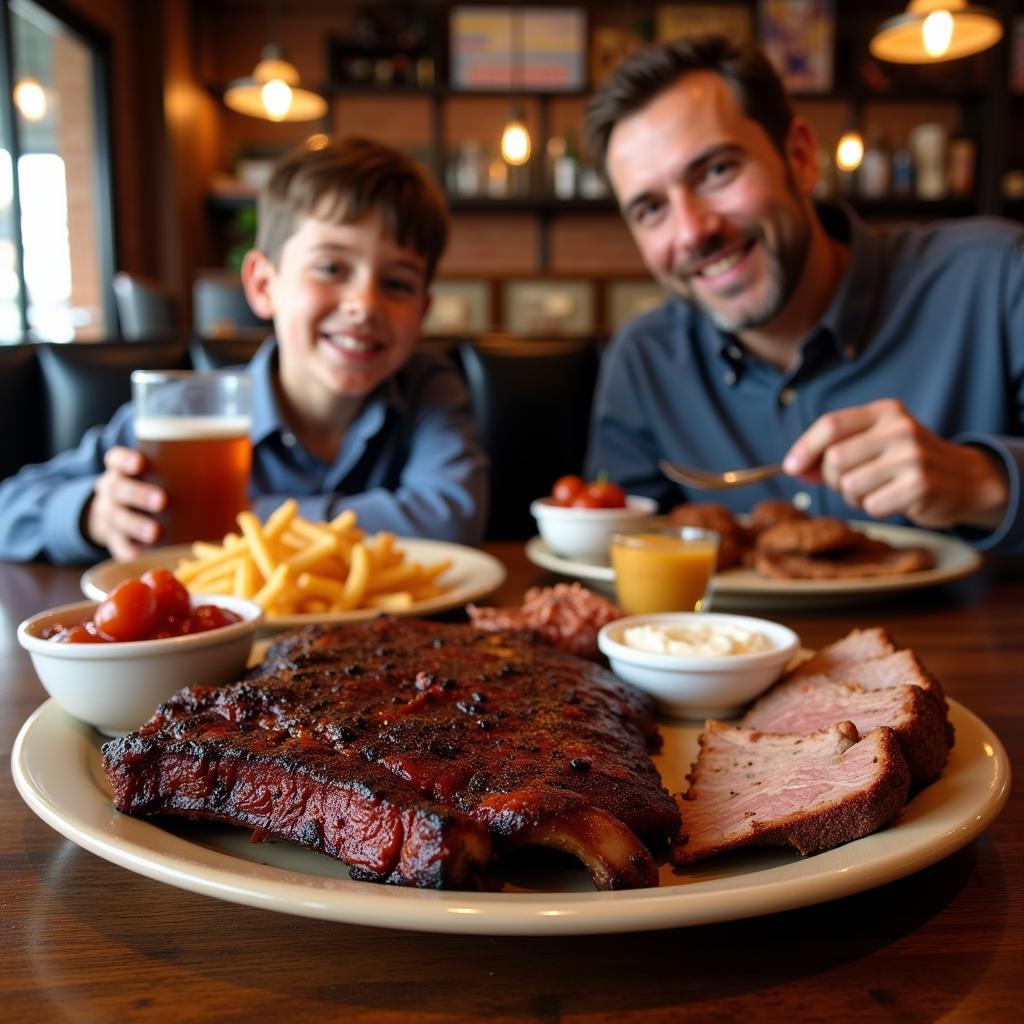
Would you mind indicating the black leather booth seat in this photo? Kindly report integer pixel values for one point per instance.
(531, 401)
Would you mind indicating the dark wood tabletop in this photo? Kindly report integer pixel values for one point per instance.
(82, 939)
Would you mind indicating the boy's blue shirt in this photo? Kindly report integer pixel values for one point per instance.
(410, 463)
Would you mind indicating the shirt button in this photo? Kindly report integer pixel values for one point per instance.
(288, 439)
(787, 396)
(729, 377)
(734, 352)
(802, 501)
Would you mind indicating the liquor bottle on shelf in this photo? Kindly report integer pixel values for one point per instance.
(903, 173)
(875, 172)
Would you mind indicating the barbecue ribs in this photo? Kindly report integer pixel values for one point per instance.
(416, 752)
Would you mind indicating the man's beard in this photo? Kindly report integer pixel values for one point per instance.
(784, 267)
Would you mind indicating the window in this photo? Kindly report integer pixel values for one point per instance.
(56, 232)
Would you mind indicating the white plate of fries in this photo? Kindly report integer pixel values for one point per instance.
(302, 571)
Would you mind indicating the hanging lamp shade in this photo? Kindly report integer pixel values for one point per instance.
(930, 31)
(273, 93)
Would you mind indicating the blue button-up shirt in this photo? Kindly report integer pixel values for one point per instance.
(931, 315)
(409, 463)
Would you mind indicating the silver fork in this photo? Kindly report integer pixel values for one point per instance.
(705, 480)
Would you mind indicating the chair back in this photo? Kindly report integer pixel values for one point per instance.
(21, 409)
(217, 353)
(145, 308)
(531, 401)
(220, 309)
(86, 384)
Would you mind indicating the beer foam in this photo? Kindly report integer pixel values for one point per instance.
(191, 428)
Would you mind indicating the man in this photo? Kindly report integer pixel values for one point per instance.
(885, 370)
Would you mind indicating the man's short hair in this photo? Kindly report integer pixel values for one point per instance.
(344, 180)
(747, 71)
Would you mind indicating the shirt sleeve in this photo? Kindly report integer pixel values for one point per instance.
(442, 492)
(41, 506)
(1007, 449)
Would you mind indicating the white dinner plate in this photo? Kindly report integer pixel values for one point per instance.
(57, 768)
(746, 588)
(472, 574)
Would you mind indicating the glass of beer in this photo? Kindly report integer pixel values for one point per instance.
(193, 429)
(663, 568)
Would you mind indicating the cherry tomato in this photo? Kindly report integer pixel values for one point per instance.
(211, 616)
(566, 488)
(585, 500)
(172, 600)
(128, 613)
(80, 634)
(606, 494)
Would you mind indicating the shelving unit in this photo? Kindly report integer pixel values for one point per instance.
(545, 236)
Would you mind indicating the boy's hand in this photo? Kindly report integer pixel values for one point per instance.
(119, 515)
(880, 459)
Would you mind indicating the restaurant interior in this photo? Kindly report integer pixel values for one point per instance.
(135, 141)
(141, 141)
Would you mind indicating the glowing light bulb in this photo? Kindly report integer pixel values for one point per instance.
(937, 33)
(849, 151)
(277, 98)
(515, 143)
(30, 98)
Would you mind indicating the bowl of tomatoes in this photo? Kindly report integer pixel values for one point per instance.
(111, 663)
(579, 517)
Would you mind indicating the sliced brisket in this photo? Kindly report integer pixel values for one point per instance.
(811, 792)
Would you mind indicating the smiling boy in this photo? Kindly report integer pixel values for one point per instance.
(346, 412)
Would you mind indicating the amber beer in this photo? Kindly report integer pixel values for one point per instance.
(193, 430)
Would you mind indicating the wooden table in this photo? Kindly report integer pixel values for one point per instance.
(85, 940)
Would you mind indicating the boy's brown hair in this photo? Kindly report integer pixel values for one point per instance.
(344, 180)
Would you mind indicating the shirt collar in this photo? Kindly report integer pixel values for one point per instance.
(266, 413)
(851, 311)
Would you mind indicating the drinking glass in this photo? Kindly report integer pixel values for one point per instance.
(663, 568)
(193, 429)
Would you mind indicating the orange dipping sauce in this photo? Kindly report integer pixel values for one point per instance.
(663, 570)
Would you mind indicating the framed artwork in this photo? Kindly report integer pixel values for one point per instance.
(799, 38)
(518, 49)
(549, 307)
(627, 299)
(459, 307)
(1017, 57)
(732, 20)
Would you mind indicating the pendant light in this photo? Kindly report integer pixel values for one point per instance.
(272, 91)
(849, 150)
(30, 99)
(515, 139)
(930, 31)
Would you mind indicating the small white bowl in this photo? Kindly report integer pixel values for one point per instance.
(584, 534)
(699, 687)
(117, 686)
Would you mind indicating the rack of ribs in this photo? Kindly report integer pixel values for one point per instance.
(417, 752)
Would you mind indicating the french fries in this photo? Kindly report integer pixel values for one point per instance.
(291, 566)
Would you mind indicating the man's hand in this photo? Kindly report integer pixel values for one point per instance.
(118, 517)
(880, 459)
